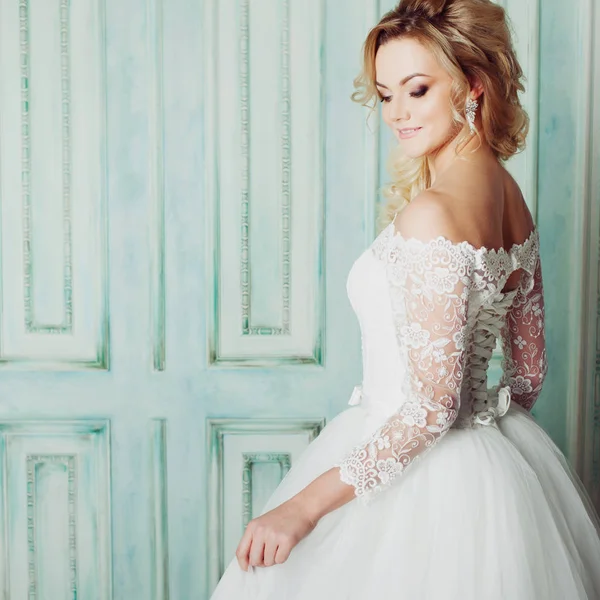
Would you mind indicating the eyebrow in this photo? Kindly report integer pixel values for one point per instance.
(405, 80)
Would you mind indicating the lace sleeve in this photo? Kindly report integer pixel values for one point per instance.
(523, 344)
(429, 291)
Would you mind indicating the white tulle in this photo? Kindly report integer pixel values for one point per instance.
(478, 502)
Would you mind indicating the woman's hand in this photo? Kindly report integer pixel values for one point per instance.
(269, 539)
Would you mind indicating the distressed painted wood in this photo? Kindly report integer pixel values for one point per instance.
(55, 526)
(584, 415)
(183, 189)
(53, 185)
(159, 509)
(265, 192)
(235, 492)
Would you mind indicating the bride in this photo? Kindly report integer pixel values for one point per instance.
(433, 485)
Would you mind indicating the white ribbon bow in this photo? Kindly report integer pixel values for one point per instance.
(491, 414)
(356, 397)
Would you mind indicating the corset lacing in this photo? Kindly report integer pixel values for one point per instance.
(487, 404)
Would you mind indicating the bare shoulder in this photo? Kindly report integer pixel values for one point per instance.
(518, 218)
(428, 216)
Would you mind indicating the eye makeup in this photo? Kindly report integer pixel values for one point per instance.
(420, 91)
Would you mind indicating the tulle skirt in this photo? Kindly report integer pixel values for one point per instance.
(490, 513)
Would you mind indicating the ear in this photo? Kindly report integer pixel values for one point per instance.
(476, 88)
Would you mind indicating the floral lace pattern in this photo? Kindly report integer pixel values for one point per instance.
(523, 344)
(437, 290)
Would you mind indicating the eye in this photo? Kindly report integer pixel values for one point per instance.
(419, 92)
(385, 98)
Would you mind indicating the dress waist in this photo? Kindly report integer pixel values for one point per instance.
(382, 403)
(484, 412)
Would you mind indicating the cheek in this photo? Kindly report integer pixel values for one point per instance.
(437, 108)
(429, 108)
(385, 114)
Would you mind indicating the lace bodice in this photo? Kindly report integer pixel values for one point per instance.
(430, 313)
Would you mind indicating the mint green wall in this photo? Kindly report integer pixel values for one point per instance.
(184, 187)
(564, 137)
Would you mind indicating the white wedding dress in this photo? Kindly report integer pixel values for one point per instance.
(461, 495)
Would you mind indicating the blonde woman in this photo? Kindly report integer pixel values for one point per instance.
(432, 485)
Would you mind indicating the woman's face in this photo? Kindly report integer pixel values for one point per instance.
(415, 92)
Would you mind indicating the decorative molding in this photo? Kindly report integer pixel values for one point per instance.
(31, 326)
(83, 449)
(79, 339)
(157, 183)
(245, 148)
(595, 441)
(33, 461)
(581, 345)
(211, 188)
(245, 272)
(296, 336)
(286, 170)
(594, 95)
(159, 544)
(217, 429)
(103, 346)
(283, 459)
(584, 414)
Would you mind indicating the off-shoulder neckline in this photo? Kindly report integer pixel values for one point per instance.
(515, 248)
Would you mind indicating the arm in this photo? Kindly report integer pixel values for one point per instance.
(429, 292)
(269, 539)
(524, 344)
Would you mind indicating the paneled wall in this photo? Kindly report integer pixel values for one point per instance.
(184, 187)
(55, 503)
(265, 156)
(248, 460)
(53, 185)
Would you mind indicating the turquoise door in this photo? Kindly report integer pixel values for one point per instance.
(184, 187)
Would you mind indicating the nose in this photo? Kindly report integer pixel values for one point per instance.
(398, 111)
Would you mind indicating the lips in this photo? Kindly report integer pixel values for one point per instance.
(408, 132)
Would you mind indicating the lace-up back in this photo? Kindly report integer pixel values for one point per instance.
(428, 372)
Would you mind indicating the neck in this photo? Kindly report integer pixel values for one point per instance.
(443, 158)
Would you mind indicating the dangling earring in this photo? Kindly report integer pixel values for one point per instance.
(471, 112)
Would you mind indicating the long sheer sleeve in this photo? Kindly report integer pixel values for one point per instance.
(524, 344)
(429, 291)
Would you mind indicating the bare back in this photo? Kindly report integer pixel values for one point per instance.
(482, 205)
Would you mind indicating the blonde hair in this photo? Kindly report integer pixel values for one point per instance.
(472, 41)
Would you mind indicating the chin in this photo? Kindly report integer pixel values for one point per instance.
(414, 151)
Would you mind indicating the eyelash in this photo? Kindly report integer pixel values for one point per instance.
(419, 93)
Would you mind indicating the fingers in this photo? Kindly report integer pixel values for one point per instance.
(262, 547)
(270, 551)
(257, 551)
(283, 553)
(243, 550)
